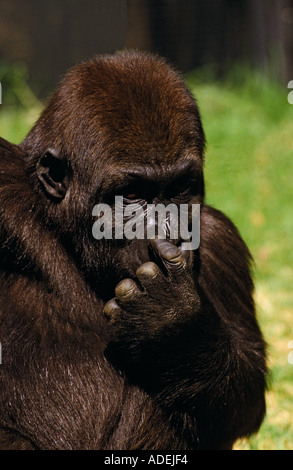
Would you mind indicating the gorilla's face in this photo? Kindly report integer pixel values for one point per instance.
(118, 128)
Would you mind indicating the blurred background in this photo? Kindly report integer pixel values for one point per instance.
(51, 36)
(237, 58)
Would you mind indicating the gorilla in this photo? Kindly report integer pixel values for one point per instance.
(121, 344)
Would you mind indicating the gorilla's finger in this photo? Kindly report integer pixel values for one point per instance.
(111, 310)
(127, 290)
(169, 255)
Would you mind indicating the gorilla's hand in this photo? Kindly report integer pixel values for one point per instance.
(163, 295)
(149, 315)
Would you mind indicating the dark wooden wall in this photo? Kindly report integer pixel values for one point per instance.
(50, 36)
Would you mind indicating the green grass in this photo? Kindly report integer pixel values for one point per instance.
(249, 172)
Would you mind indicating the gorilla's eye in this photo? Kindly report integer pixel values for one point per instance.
(131, 196)
(135, 191)
(180, 188)
(183, 190)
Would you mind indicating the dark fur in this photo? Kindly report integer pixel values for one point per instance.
(69, 380)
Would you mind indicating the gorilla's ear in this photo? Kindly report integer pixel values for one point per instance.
(53, 174)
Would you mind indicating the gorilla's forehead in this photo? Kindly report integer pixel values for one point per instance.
(144, 109)
(129, 108)
(132, 79)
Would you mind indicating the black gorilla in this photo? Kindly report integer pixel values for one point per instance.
(121, 344)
